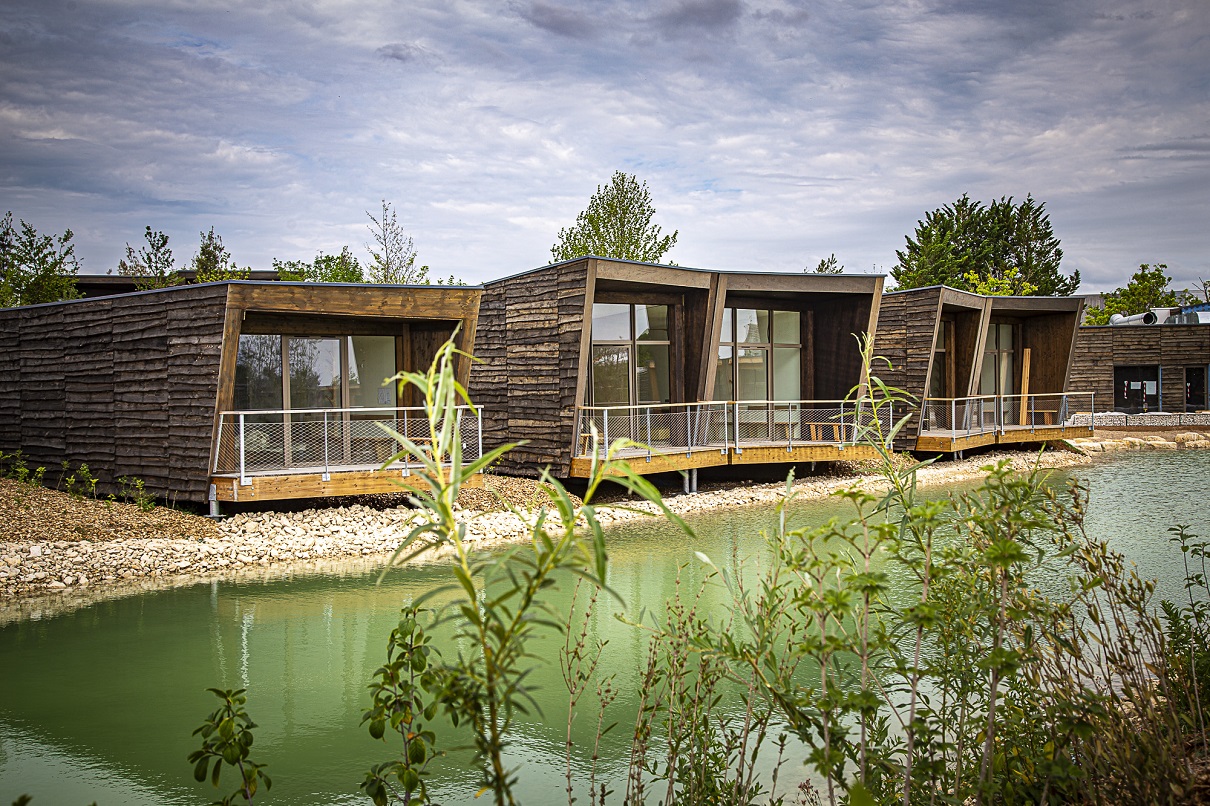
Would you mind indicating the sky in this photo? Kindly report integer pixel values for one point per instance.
(770, 134)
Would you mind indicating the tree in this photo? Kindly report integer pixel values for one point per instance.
(1009, 245)
(393, 258)
(1009, 285)
(616, 224)
(1199, 294)
(1147, 289)
(35, 268)
(829, 266)
(152, 266)
(342, 268)
(213, 262)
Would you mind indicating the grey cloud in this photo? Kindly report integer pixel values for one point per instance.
(571, 23)
(403, 52)
(694, 17)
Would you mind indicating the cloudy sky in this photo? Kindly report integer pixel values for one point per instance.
(771, 134)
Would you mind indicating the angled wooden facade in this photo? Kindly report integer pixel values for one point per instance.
(984, 369)
(1118, 363)
(536, 345)
(135, 384)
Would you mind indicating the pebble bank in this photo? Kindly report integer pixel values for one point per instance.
(41, 576)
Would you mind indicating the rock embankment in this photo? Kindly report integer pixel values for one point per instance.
(53, 544)
(1144, 441)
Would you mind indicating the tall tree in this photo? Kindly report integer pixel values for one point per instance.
(616, 224)
(342, 268)
(1006, 245)
(213, 262)
(35, 268)
(152, 265)
(393, 256)
(829, 265)
(1147, 289)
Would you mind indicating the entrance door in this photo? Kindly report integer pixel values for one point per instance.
(1136, 389)
(1195, 389)
(315, 381)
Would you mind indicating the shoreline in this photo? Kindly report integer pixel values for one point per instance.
(40, 578)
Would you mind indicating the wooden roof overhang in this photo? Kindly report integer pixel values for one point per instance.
(339, 309)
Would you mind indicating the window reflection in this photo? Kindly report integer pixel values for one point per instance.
(631, 354)
(760, 355)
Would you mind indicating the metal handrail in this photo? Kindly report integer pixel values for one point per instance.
(338, 430)
(1005, 411)
(777, 422)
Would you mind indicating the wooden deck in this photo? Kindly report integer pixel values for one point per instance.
(947, 442)
(670, 459)
(279, 485)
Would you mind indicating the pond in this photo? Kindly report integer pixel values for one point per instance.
(99, 704)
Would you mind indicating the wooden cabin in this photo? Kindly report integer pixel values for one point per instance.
(233, 391)
(1139, 369)
(702, 368)
(985, 369)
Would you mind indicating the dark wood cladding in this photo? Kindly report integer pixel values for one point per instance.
(907, 325)
(528, 349)
(132, 384)
(533, 341)
(834, 351)
(124, 384)
(1172, 347)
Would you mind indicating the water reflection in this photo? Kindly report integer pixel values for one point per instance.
(99, 703)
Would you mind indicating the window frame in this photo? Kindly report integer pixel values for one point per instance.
(769, 347)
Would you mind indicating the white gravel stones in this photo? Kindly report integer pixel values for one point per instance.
(315, 539)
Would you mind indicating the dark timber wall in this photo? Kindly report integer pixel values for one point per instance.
(130, 384)
(534, 343)
(528, 343)
(124, 384)
(907, 323)
(1172, 347)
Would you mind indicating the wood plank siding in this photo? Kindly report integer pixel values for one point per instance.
(907, 325)
(534, 341)
(132, 384)
(1172, 348)
(913, 325)
(528, 346)
(125, 384)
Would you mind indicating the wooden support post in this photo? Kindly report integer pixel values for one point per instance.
(1024, 385)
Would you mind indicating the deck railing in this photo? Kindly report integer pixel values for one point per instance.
(670, 428)
(991, 414)
(266, 442)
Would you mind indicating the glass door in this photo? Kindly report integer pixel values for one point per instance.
(314, 381)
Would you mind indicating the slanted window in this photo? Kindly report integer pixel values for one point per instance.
(941, 381)
(759, 355)
(999, 361)
(631, 354)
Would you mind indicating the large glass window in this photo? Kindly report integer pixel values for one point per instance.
(315, 376)
(312, 372)
(371, 362)
(759, 355)
(631, 354)
(258, 375)
(999, 361)
(942, 369)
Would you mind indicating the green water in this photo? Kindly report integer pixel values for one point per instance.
(99, 704)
